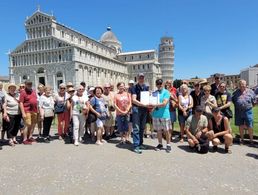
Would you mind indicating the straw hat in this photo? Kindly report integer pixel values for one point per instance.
(203, 81)
(7, 86)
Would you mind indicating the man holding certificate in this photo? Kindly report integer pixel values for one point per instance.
(139, 113)
(161, 116)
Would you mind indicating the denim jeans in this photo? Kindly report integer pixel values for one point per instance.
(139, 121)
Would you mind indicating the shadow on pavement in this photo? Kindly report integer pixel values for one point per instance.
(186, 148)
(255, 156)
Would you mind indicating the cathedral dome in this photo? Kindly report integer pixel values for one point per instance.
(109, 39)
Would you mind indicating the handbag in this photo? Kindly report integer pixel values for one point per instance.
(228, 113)
(59, 107)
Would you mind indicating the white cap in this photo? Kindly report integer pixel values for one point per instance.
(92, 88)
(131, 82)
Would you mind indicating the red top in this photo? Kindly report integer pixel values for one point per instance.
(172, 90)
(122, 101)
(29, 100)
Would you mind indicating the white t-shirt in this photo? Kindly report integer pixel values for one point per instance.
(12, 104)
(79, 103)
(47, 103)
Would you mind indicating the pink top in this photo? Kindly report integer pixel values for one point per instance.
(122, 101)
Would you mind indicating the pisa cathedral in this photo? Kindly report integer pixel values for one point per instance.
(54, 53)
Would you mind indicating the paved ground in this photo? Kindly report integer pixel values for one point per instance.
(59, 168)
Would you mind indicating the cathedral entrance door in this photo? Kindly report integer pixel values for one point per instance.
(42, 80)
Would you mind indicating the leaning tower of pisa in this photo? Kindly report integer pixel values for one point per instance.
(166, 58)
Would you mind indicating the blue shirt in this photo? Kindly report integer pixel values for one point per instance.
(243, 101)
(162, 112)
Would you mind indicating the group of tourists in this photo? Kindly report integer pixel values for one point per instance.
(101, 112)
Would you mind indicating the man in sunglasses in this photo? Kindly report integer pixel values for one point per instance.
(161, 116)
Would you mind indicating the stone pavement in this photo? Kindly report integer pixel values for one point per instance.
(59, 168)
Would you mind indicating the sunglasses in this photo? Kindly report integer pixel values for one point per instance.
(158, 83)
(62, 87)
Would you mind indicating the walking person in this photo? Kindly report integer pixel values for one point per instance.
(79, 113)
(161, 116)
(29, 110)
(244, 100)
(109, 125)
(46, 106)
(139, 114)
(173, 104)
(185, 105)
(63, 115)
(11, 114)
(122, 103)
(2, 94)
(100, 109)
(40, 92)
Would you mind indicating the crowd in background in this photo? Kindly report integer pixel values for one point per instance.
(100, 113)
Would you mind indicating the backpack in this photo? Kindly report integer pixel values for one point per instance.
(203, 146)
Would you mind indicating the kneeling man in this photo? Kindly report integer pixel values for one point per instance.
(196, 128)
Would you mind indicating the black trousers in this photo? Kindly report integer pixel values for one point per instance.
(47, 122)
(12, 127)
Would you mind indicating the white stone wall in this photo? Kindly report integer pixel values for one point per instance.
(250, 75)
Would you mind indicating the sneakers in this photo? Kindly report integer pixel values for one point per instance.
(159, 147)
(76, 143)
(142, 147)
(46, 140)
(168, 149)
(215, 148)
(137, 150)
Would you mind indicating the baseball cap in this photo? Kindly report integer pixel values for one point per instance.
(131, 82)
(140, 75)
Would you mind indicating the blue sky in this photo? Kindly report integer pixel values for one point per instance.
(210, 35)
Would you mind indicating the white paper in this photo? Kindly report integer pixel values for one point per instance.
(145, 97)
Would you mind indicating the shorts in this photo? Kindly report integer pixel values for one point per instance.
(173, 116)
(31, 118)
(100, 123)
(122, 123)
(161, 124)
(244, 118)
(182, 119)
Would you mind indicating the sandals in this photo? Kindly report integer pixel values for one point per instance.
(11, 143)
(228, 151)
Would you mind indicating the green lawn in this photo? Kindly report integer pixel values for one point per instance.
(235, 128)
